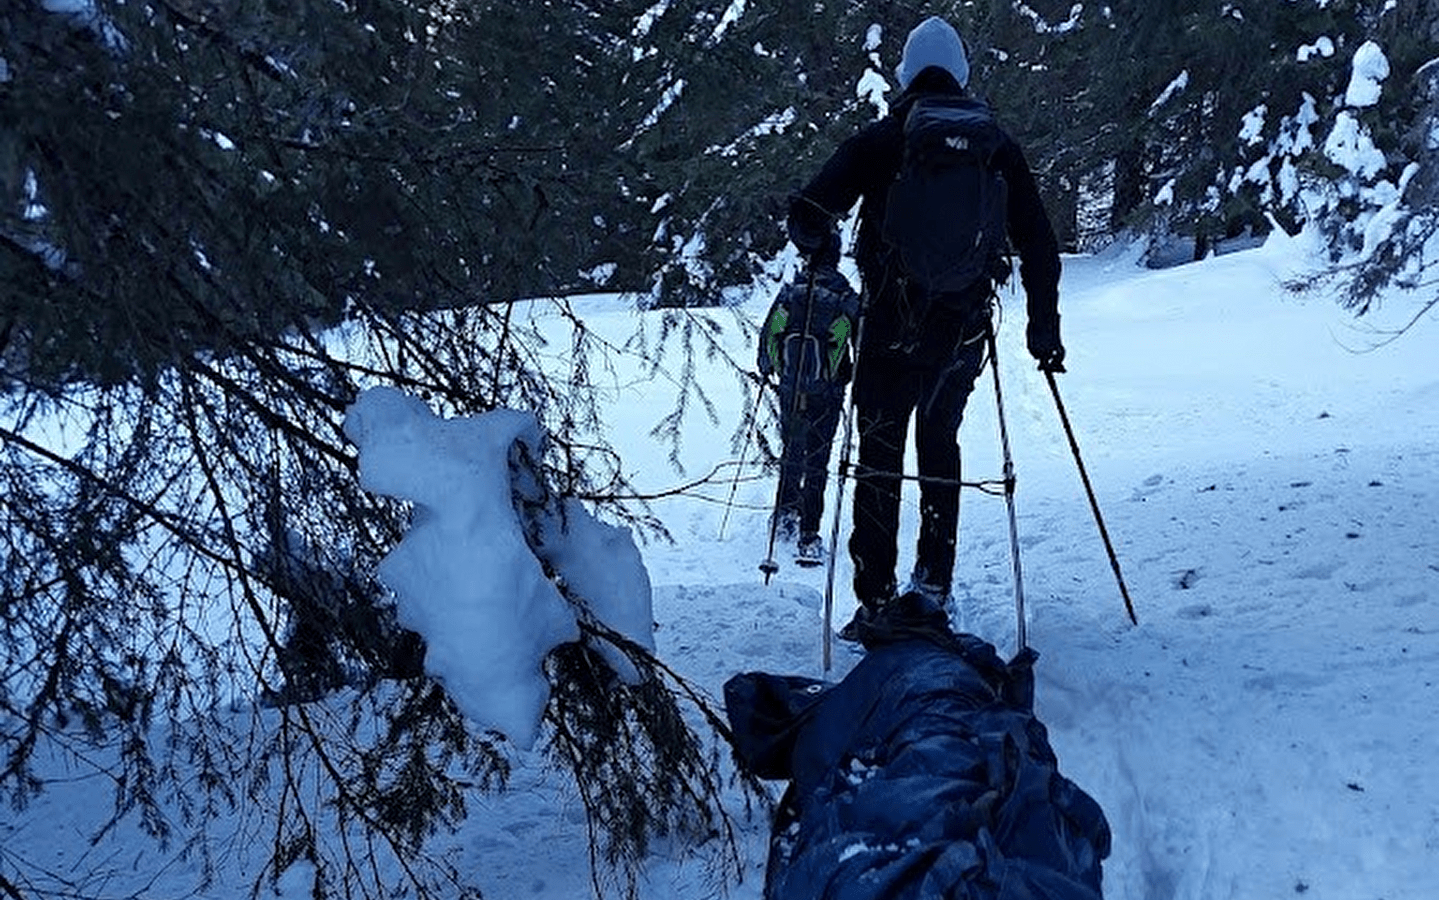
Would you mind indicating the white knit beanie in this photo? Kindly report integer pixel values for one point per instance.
(933, 42)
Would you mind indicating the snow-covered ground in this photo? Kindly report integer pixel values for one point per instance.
(1267, 730)
(1273, 494)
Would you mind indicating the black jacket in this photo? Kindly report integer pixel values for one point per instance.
(865, 166)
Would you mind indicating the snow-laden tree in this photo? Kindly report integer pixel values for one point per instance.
(220, 220)
(1194, 123)
(1369, 184)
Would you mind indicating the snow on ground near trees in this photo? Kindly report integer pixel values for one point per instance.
(1267, 729)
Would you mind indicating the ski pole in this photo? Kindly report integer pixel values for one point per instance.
(768, 565)
(1093, 503)
(1021, 629)
(827, 652)
(750, 425)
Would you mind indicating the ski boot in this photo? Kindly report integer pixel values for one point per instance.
(810, 551)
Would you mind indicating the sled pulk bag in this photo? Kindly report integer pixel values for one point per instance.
(807, 333)
(946, 212)
(923, 774)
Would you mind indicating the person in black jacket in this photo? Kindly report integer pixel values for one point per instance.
(918, 354)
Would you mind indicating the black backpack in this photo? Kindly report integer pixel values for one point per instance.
(946, 212)
(806, 336)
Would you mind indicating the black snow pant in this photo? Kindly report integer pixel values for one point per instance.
(810, 420)
(931, 378)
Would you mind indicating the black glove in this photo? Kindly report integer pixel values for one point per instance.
(1044, 345)
(822, 255)
(812, 231)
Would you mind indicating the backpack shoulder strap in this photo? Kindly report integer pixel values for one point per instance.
(776, 322)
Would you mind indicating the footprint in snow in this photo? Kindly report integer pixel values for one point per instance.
(1151, 485)
(1286, 681)
(1319, 571)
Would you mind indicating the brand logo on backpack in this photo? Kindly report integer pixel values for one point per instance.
(945, 213)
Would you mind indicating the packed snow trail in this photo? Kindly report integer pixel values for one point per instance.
(1270, 491)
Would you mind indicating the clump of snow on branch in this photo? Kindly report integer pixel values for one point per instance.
(1044, 26)
(1369, 69)
(1322, 47)
(1252, 131)
(1350, 147)
(731, 16)
(466, 577)
(1180, 82)
(872, 86)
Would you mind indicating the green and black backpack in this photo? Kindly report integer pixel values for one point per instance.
(808, 332)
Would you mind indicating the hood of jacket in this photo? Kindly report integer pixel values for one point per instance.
(932, 80)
